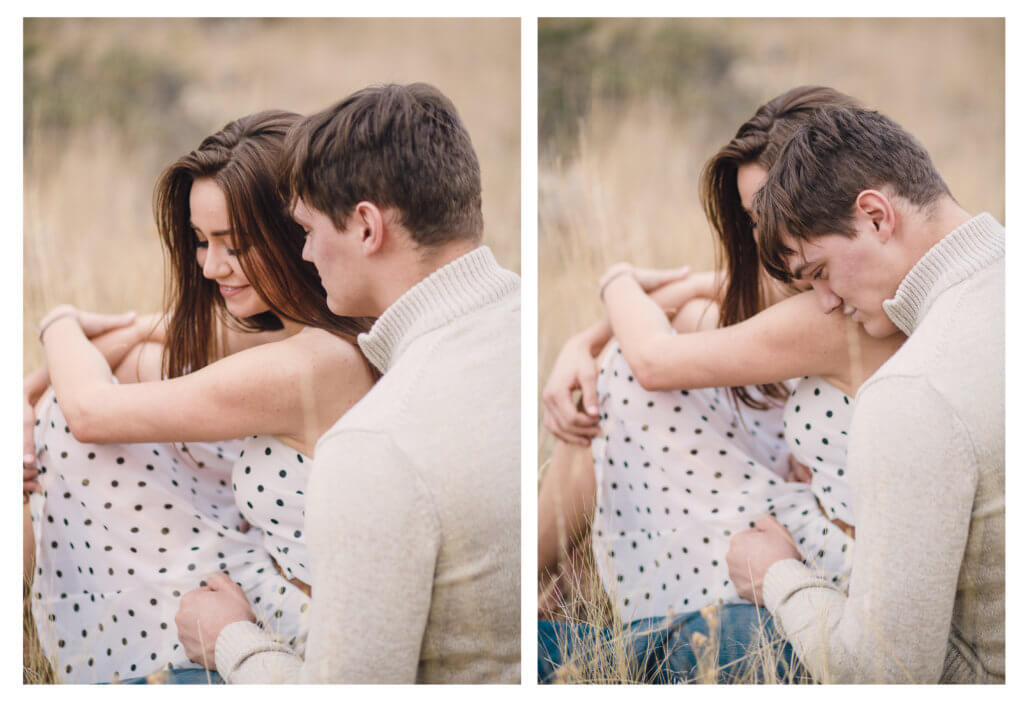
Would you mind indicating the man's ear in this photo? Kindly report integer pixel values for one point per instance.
(873, 209)
(372, 229)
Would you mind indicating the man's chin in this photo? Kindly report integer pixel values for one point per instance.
(341, 307)
(879, 328)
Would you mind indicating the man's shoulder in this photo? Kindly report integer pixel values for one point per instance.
(960, 340)
(463, 371)
(951, 367)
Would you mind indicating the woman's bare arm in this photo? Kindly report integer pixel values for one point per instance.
(268, 389)
(575, 368)
(113, 345)
(789, 339)
(670, 298)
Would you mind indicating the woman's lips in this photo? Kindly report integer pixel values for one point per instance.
(228, 291)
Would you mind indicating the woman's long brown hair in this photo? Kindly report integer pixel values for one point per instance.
(759, 140)
(243, 159)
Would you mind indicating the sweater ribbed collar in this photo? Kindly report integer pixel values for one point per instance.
(468, 283)
(964, 251)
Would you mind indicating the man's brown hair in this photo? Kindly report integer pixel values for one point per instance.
(400, 146)
(758, 140)
(813, 186)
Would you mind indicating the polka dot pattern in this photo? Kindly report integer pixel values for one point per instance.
(269, 482)
(678, 473)
(816, 421)
(122, 532)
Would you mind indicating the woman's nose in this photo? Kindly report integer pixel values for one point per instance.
(216, 263)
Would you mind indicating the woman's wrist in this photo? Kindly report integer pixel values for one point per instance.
(588, 338)
(616, 271)
(63, 311)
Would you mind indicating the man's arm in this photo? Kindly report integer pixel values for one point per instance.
(914, 477)
(374, 537)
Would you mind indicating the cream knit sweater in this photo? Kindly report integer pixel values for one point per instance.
(926, 601)
(412, 513)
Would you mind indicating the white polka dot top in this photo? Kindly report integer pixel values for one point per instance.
(816, 420)
(269, 480)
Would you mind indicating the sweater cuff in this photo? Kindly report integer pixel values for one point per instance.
(241, 640)
(784, 578)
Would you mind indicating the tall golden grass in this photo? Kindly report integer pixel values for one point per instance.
(110, 102)
(633, 118)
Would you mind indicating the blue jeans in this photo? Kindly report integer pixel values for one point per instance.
(193, 675)
(743, 647)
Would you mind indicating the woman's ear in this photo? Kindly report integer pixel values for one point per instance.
(873, 209)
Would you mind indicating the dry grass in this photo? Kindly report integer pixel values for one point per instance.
(109, 103)
(631, 122)
(598, 659)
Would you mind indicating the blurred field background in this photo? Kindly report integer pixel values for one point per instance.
(631, 109)
(108, 103)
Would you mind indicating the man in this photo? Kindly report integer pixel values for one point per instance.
(412, 513)
(855, 207)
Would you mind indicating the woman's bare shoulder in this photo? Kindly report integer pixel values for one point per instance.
(328, 355)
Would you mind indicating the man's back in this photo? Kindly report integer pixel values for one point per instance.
(446, 413)
(947, 385)
(926, 599)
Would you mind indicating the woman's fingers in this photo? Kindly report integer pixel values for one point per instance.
(559, 431)
(653, 278)
(30, 482)
(588, 388)
(28, 447)
(566, 422)
(94, 324)
(798, 472)
(567, 431)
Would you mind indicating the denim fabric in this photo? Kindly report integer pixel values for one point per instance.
(193, 675)
(743, 647)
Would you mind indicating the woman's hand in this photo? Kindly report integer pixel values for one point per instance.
(574, 369)
(798, 472)
(30, 475)
(91, 323)
(649, 279)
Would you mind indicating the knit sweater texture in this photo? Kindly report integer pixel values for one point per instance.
(413, 505)
(926, 600)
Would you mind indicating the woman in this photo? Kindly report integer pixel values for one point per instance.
(679, 471)
(129, 521)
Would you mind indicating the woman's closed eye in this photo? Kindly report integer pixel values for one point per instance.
(206, 245)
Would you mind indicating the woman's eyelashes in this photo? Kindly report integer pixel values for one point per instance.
(202, 243)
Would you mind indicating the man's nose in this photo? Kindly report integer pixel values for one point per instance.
(828, 299)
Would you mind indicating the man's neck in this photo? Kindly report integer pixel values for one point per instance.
(927, 226)
(416, 265)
